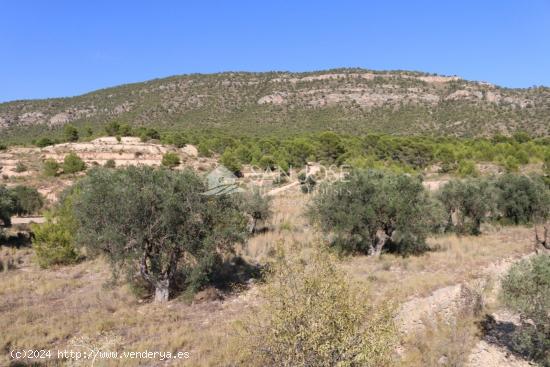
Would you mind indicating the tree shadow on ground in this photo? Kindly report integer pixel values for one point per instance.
(523, 340)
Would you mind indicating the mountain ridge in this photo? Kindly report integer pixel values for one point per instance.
(351, 100)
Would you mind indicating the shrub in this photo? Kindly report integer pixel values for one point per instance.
(110, 163)
(511, 164)
(307, 182)
(180, 140)
(526, 290)
(73, 164)
(8, 205)
(50, 167)
(170, 160)
(204, 150)
(54, 240)
(257, 207)
(372, 209)
(3, 146)
(112, 128)
(467, 169)
(28, 200)
(467, 202)
(313, 316)
(230, 161)
(70, 133)
(157, 222)
(521, 198)
(43, 142)
(20, 167)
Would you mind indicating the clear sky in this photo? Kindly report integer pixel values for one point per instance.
(62, 48)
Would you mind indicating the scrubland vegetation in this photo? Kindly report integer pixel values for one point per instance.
(140, 257)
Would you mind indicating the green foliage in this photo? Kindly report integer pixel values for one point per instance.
(511, 164)
(180, 140)
(372, 209)
(522, 198)
(110, 163)
(28, 200)
(8, 205)
(54, 240)
(526, 290)
(3, 146)
(72, 163)
(70, 133)
(307, 182)
(467, 203)
(112, 128)
(256, 206)
(44, 142)
(331, 147)
(230, 160)
(157, 222)
(50, 167)
(311, 315)
(171, 160)
(467, 168)
(228, 102)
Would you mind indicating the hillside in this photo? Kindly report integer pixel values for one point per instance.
(348, 100)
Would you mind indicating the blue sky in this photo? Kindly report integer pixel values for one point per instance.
(63, 48)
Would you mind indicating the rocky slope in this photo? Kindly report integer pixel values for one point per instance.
(352, 100)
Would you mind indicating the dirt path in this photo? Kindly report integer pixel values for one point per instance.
(446, 303)
(278, 190)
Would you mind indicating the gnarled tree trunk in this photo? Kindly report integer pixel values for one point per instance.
(381, 238)
(162, 290)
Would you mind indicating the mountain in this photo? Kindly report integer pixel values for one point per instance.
(348, 100)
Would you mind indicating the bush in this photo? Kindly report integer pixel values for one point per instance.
(467, 202)
(467, 169)
(526, 290)
(3, 146)
(44, 142)
(54, 240)
(110, 163)
(70, 133)
(28, 200)
(20, 167)
(307, 183)
(73, 164)
(373, 209)
(511, 164)
(8, 205)
(257, 207)
(156, 222)
(521, 198)
(170, 160)
(50, 167)
(230, 161)
(313, 316)
(112, 128)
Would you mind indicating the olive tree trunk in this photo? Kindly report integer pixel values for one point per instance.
(162, 290)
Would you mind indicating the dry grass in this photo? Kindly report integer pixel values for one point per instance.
(52, 308)
(456, 260)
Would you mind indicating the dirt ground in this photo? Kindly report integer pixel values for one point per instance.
(59, 308)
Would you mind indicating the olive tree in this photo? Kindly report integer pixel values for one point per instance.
(467, 203)
(8, 205)
(256, 206)
(156, 220)
(372, 209)
(28, 200)
(522, 198)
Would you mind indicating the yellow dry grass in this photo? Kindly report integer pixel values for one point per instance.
(50, 309)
